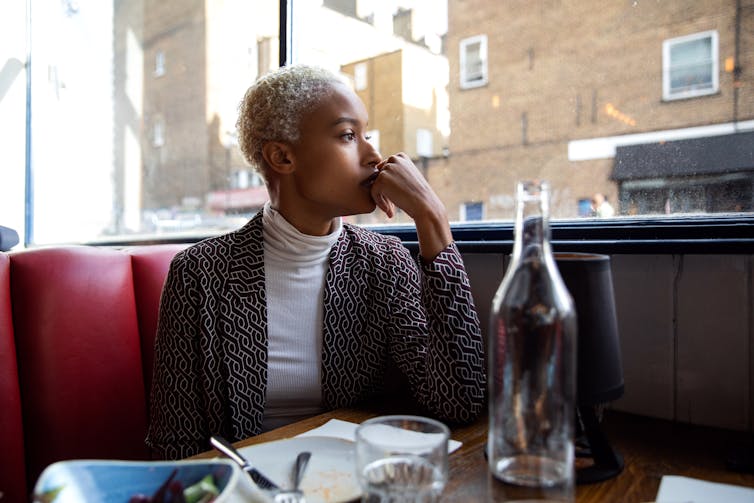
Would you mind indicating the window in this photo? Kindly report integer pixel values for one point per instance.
(374, 138)
(473, 61)
(158, 133)
(473, 211)
(690, 66)
(477, 95)
(424, 142)
(159, 64)
(360, 76)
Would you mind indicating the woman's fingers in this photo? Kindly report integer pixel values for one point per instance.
(400, 183)
(385, 205)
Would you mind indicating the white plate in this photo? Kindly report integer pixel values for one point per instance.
(330, 476)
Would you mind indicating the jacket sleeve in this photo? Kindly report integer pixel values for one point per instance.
(437, 337)
(176, 429)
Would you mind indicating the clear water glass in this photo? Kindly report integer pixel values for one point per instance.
(402, 459)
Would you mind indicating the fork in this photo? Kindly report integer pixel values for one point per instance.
(295, 495)
(227, 448)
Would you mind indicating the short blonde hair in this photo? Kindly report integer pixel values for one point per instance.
(273, 107)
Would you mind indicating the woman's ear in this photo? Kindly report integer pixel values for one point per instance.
(278, 157)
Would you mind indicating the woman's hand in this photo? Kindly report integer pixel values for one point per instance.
(400, 183)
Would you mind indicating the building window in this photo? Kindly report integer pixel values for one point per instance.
(159, 64)
(424, 142)
(690, 66)
(255, 179)
(472, 211)
(473, 61)
(158, 133)
(374, 138)
(267, 54)
(360, 76)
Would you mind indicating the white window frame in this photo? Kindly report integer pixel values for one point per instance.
(667, 92)
(471, 80)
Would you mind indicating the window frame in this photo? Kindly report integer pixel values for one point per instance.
(463, 74)
(616, 236)
(666, 235)
(668, 44)
(610, 236)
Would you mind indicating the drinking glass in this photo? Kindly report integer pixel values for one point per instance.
(402, 459)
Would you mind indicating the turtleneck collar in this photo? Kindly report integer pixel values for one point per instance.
(284, 242)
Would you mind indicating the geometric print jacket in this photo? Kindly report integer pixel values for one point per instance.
(210, 368)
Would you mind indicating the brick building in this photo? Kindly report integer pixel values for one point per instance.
(407, 111)
(180, 69)
(574, 91)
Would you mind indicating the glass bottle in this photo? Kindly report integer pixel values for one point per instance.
(532, 364)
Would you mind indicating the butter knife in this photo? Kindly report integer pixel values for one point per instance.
(227, 448)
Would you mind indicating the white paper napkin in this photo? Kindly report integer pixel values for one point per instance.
(347, 430)
(675, 489)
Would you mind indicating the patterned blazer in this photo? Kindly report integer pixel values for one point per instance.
(210, 368)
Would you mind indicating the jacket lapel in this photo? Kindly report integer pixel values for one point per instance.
(244, 317)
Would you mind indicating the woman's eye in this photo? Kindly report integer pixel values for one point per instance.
(368, 137)
(348, 136)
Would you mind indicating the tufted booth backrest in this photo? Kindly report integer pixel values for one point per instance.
(79, 355)
(150, 267)
(12, 475)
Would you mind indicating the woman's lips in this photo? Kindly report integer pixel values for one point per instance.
(367, 182)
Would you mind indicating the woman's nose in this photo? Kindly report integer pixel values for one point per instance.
(372, 156)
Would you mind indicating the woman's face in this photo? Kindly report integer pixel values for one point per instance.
(333, 158)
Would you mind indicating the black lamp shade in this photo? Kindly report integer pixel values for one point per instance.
(600, 370)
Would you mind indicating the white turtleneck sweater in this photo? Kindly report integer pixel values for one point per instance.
(295, 266)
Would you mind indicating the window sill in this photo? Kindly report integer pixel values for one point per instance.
(690, 96)
(732, 234)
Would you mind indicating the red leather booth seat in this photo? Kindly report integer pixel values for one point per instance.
(150, 266)
(12, 474)
(84, 321)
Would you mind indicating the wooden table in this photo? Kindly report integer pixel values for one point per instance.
(651, 448)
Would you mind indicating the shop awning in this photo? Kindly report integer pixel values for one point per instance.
(712, 155)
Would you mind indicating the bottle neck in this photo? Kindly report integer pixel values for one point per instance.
(532, 230)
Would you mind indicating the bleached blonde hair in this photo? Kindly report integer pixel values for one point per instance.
(273, 107)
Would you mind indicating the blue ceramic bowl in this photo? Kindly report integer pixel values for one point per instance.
(104, 481)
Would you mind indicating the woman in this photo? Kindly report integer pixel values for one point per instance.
(298, 312)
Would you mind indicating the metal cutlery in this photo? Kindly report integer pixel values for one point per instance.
(295, 495)
(259, 479)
